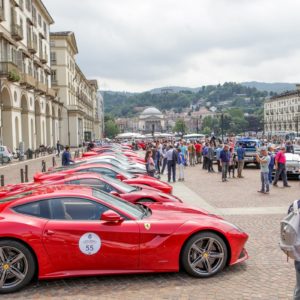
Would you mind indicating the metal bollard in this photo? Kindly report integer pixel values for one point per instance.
(2, 180)
(53, 161)
(26, 173)
(43, 166)
(22, 175)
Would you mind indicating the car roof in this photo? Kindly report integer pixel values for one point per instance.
(47, 190)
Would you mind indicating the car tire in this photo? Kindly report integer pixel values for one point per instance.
(204, 255)
(143, 200)
(19, 273)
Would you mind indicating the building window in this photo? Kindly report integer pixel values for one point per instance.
(53, 58)
(28, 5)
(53, 77)
(45, 29)
(33, 15)
(40, 20)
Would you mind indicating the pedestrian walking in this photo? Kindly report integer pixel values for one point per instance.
(218, 151)
(210, 158)
(150, 165)
(264, 161)
(66, 158)
(240, 160)
(225, 158)
(232, 162)
(198, 148)
(157, 160)
(181, 163)
(164, 158)
(58, 148)
(191, 151)
(171, 162)
(289, 147)
(272, 162)
(204, 154)
(280, 167)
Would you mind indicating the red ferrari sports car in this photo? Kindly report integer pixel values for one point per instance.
(131, 193)
(39, 230)
(104, 169)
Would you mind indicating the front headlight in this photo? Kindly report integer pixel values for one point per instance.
(232, 225)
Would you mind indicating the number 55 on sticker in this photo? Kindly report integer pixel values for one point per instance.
(89, 243)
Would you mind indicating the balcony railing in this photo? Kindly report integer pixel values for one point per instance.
(51, 93)
(10, 71)
(2, 17)
(28, 80)
(32, 46)
(41, 87)
(17, 32)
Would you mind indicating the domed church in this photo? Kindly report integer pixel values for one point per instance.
(151, 120)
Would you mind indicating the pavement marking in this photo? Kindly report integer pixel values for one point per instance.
(192, 198)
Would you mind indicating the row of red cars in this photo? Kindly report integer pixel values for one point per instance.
(104, 215)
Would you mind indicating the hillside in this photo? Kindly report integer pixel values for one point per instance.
(276, 87)
(228, 95)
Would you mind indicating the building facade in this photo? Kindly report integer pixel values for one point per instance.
(29, 109)
(151, 120)
(80, 117)
(281, 113)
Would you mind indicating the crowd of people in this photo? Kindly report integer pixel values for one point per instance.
(230, 158)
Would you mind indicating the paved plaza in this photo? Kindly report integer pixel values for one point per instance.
(266, 275)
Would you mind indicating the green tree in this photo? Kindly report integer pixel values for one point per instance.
(111, 128)
(180, 126)
(206, 130)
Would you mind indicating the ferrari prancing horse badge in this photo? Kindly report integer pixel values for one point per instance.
(147, 226)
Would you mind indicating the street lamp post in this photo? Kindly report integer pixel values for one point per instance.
(222, 126)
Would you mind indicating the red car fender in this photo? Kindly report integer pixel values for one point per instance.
(233, 238)
(171, 244)
(33, 242)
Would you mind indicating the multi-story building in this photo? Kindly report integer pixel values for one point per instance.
(30, 111)
(79, 95)
(281, 113)
(99, 117)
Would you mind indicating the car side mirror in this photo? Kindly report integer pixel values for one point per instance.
(111, 216)
(114, 193)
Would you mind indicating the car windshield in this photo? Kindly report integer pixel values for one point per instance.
(121, 185)
(122, 172)
(247, 144)
(124, 206)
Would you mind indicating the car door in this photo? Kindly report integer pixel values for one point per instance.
(76, 239)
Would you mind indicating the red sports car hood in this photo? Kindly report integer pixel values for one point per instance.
(144, 187)
(176, 210)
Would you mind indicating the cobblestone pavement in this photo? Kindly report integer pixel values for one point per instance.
(266, 275)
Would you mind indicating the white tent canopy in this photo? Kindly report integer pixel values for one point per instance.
(130, 135)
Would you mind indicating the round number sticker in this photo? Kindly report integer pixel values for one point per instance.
(90, 243)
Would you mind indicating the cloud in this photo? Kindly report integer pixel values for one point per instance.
(137, 45)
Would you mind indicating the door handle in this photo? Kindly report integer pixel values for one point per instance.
(49, 232)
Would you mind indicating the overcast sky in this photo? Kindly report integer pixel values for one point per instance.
(136, 45)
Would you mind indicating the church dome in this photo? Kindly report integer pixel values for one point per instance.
(151, 111)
